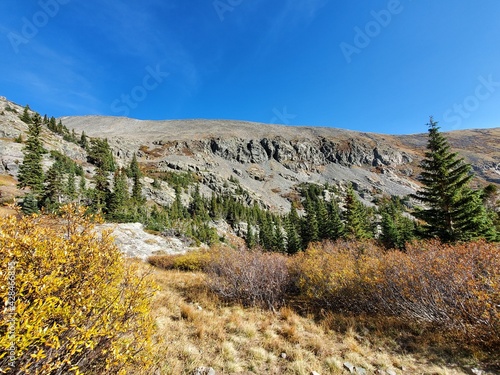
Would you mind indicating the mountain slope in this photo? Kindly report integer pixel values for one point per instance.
(270, 160)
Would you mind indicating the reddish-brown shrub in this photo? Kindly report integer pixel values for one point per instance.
(252, 278)
(455, 286)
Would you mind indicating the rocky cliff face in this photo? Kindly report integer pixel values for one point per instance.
(306, 154)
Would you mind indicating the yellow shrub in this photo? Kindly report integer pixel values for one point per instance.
(190, 261)
(340, 276)
(78, 307)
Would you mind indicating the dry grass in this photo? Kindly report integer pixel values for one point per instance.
(6, 180)
(195, 329)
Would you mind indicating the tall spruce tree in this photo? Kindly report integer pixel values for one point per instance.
(84, 142)
(323, 219)
(357, 224)
(266, 232)
(250, 239)
(293, 240)
(101, 192)
(70, 189)
(30, 171)
(336, 226)
(452, 212)
(279, 244)
(119, 197)
(54, 187)
(52, 124)
(310, 227)
(136, 174)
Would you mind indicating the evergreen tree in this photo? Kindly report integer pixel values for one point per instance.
(310, 226)
(293, 217)
(133, 168)
(52, 124)
(250, 239)
(357, 223)
(84, 142)
(137, 190)
(177, 209)
(323, 220)
(215, 207)
(61, 128)
(100, 155)
(26, 117)
(293, 240)
(197, 206)
(136, 174)
(82, 188)
(278, 238)
(101, 192)
(452, 210)
(119, 197)
(54, 189)
(476, 221)
(70, 190)
(491, 200)
(31, 172)
(266, 232)
(396, 229)
(29, 205)
(335, 224)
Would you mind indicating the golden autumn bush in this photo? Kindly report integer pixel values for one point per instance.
(195, 260)
(79, 306)
(455, 287)
(341, 276)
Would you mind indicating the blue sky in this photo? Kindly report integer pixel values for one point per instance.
(379, 66)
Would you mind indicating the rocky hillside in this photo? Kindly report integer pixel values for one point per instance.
(270, 160)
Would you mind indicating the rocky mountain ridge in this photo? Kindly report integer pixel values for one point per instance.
(268, 161)
(271, 160)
